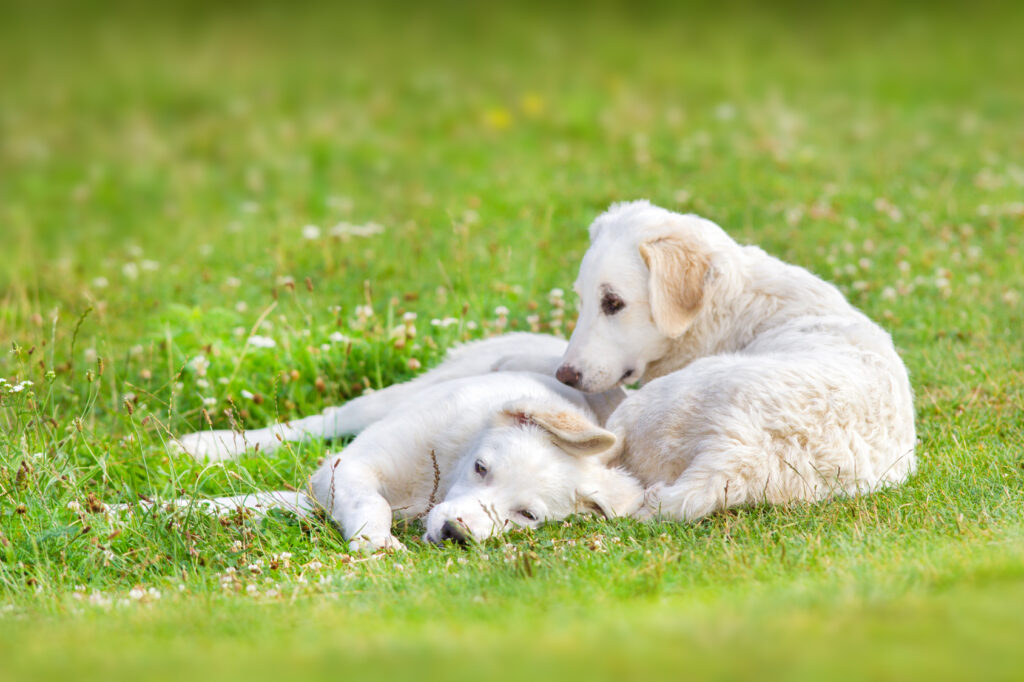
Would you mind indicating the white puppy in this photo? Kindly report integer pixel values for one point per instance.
(497, 451)
(509, 352)
(760, 381)
(476, 455)
(480, 446)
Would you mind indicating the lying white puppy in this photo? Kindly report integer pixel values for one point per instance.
(491, 450)
(497, 451)
(477, 456)
(509, 352)
(761, 383)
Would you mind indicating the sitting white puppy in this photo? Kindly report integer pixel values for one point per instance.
(761, 383)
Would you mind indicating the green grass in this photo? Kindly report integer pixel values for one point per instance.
(157, 170)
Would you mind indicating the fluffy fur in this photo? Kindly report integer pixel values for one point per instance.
(761, 383)
(510, 352)
(473, 445)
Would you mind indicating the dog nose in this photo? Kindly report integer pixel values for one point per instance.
(455, 531)
(568, 375)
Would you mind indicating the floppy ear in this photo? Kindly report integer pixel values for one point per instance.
(610, 493)
(676, 282)
(572, 431)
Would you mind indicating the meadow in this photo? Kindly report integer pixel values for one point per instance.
(226, 215)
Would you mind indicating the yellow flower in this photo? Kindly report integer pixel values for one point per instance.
(497, 118)
(532, 104)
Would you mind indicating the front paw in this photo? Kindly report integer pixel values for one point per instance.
(363, 544)
(652, 507)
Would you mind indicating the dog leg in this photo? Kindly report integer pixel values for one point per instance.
(350, 491)
(257, 503)
(701, 490)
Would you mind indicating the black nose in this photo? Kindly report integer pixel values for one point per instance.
(455, 531)
(569, 375)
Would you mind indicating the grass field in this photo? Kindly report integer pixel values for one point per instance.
(180, 187)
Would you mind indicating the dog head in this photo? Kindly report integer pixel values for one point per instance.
(642, 282)
(535, 463)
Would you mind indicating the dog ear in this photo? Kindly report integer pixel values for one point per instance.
(572, 432)
(676, 282)
(610, 493)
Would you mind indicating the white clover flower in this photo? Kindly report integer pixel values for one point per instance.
(233, 282)
(149, 265)
(338, 337)
(137, 593)
(209, 402)
(311, 232)
(74, 505)
(261, 341)
(501, 311)
(248, 395)
(200, 364)
(408, 317)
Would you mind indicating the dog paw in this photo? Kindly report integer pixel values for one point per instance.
(367, 545)
(652, 507)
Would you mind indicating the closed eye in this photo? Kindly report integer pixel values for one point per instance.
(527, 514)
(611, 303)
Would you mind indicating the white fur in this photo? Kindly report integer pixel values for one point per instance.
(510, 352)
(390, 469)
(761, 383)
(419, 444)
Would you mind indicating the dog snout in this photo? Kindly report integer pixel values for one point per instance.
(455, 531)
(569, 375)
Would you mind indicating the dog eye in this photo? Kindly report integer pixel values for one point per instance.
(480, 468)
(527, 514)
(611, 304)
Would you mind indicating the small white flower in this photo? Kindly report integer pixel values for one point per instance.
(248, 395)
(261, 341)
(100, 283)
(501, 311)
(137, 593)
(233, 282)
(311, 232)
(409, 317)
(200, 364)
(74, 505)
(209, 402)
